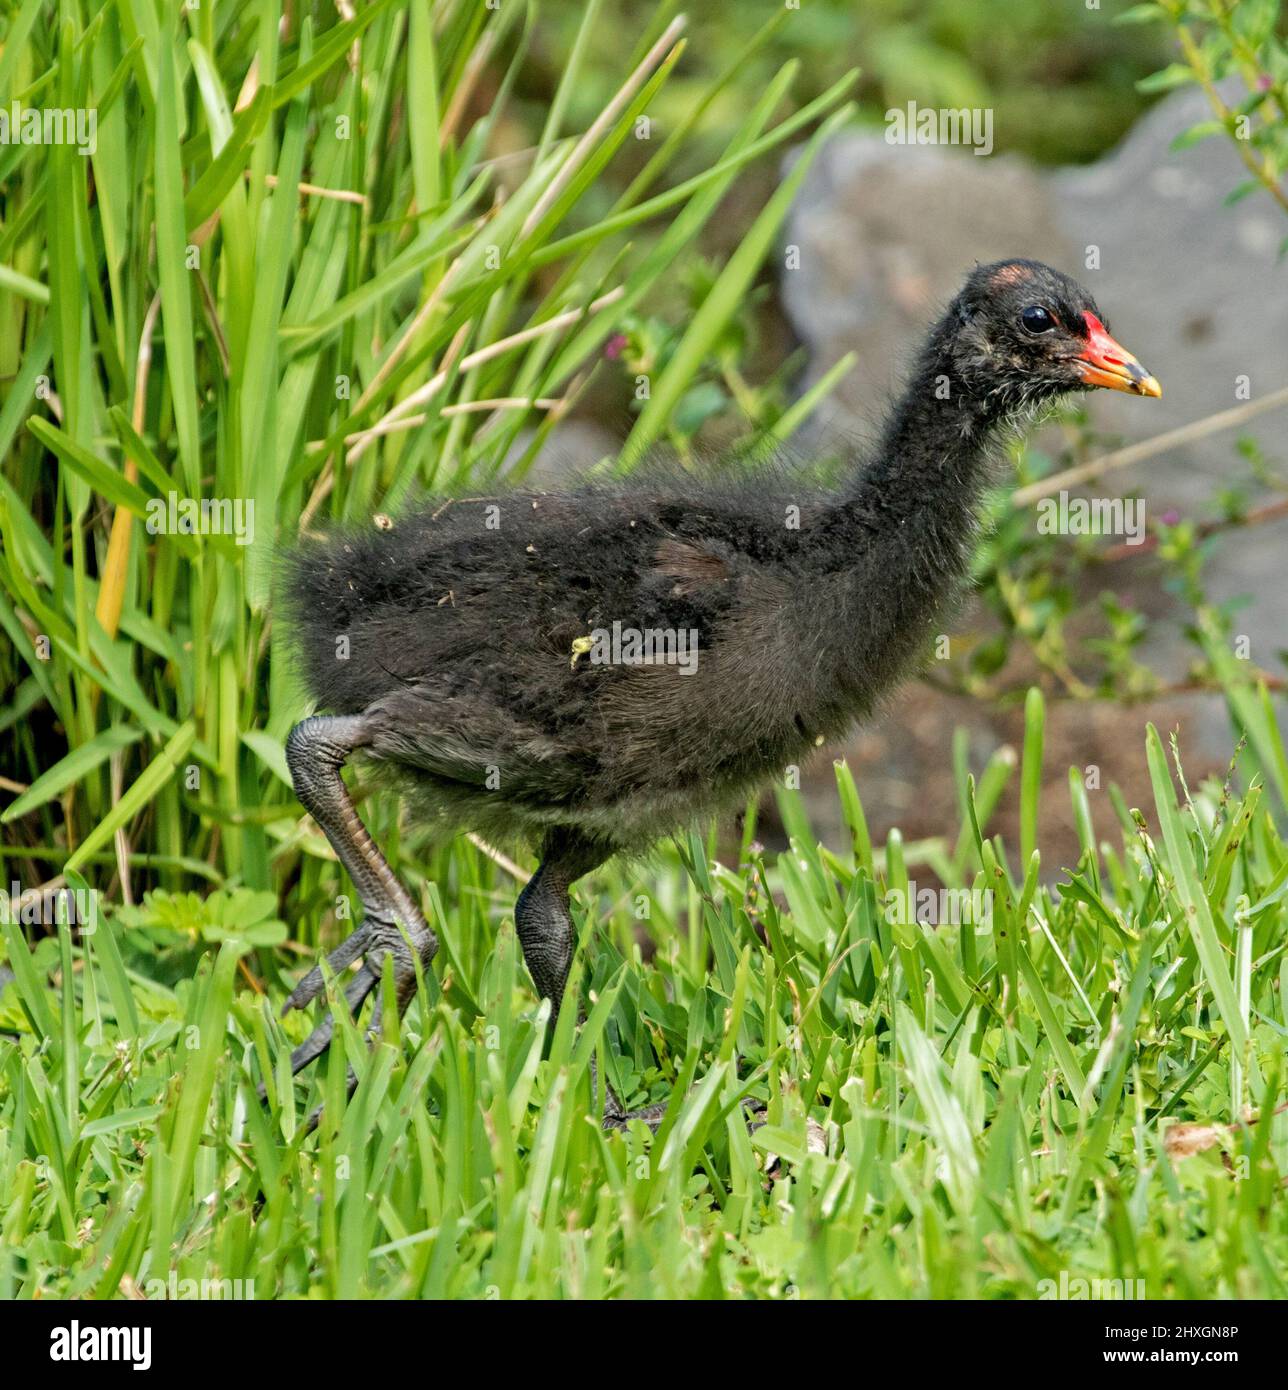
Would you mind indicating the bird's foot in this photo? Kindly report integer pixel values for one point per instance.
(377, 941)
(615, 1118)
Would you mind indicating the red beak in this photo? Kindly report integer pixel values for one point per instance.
(1109, 364)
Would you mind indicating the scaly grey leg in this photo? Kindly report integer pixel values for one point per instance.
(316, 749)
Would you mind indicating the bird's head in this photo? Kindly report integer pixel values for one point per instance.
(1020, 332)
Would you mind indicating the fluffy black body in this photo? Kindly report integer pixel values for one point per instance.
(461, 643)
(449, 646)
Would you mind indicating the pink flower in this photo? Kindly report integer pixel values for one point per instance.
(613, 347)
(1170, 518)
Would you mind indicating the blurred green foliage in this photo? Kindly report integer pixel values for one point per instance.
(1060, 78)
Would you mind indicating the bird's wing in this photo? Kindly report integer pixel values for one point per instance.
(691, 567)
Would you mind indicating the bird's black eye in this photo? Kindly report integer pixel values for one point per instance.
(1037, 319)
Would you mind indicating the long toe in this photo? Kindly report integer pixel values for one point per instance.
(313, 985)
(319, 1039)
(314, 1045)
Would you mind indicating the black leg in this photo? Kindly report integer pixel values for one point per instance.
(315, 752)
(544, 924)
(541, 915)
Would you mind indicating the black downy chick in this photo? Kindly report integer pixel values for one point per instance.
(473, 674)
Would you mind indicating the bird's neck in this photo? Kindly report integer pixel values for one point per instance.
(934, 452)
(907, 527)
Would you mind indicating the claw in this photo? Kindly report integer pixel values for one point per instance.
(373, 1028)
(319, 1039)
